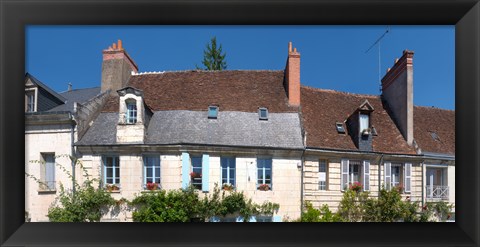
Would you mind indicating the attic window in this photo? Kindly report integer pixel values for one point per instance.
(364, 123)
(263, 113)
(340, 128)
(212, 112)
(131, 115)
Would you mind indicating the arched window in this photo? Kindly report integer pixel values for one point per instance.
(131, 114)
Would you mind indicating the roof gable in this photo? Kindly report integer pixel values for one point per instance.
(32, 81)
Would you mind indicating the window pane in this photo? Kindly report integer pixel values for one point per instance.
(109, 161)
(149, 172)
(157, 180)
(109, 172)
(363, 121)
(109, 181)
(157, 172)
(232, 173)
(149, 180)
(117, 162)
(117, 172)
(224, 173)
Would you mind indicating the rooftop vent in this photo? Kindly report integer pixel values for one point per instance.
(263, 113)
(212, 112)
(340, 128)
(374, 131)
(434, 135)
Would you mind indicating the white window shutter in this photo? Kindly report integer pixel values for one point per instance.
(387, 169)
(344, 178)
(408, 177)
(366, 175)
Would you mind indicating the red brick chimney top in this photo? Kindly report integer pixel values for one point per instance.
(116, 51)
(398, 67)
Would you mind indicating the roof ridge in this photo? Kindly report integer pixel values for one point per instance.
(339, 92)
(200, 71)
(78, 89)
(433, 107)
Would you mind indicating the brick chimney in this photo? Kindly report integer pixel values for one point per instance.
(292, 76)
(397, 92)
(117, 68)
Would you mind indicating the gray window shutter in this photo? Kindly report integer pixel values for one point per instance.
(387, 169)
(50, 171)
(344, 177)
(366, 175)
(408, 177)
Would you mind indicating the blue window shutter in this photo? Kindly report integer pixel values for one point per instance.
(205, 169)
(185, 170)
(277, 218)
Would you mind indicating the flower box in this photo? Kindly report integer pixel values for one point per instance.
(227, 187)
(356, 186)
(152, 186)
(195, 175)
(264, 187)
(112, 187)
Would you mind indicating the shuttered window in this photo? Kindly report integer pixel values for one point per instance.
(408, 177)
(366, 175)
(388, 175)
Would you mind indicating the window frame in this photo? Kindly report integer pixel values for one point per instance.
(360, 171)
(146, 158)
(196, 185)
(360, 121)
(131, 119)
(114, 167)
(325, 164)
(264, 172)
(47, 185)
(33, 93)
(401, 177)
(228, 169)
(264, 109)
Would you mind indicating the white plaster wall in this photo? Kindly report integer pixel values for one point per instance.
(45, 139)
(286, 180)
(451, 184)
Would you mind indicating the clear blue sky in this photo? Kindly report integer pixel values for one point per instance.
(332, 57)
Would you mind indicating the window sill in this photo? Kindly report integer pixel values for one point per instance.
(44, 191)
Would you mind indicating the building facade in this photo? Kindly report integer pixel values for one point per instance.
(259, 131)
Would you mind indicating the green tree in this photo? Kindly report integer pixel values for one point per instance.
(213, 59)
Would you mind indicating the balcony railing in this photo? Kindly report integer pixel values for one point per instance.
(437, 192)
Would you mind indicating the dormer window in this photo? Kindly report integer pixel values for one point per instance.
(263, 113)
(212, 112)
(30, 100)
(364, 124)
(131, 114)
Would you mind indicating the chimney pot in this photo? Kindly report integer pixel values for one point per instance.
(289, 47)
(114, 46)
(120, 44)
(295, 49)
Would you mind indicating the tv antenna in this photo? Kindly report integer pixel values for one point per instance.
(379, 42)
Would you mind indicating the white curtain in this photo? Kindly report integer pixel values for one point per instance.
(363, 122)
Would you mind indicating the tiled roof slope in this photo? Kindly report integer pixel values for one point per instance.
(428, 120)
(76, 95)
(282, 130)
(232, 90)
(321, 109)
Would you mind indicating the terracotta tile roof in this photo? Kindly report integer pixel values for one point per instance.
(231, 90)
(321, 109)
(434, 129)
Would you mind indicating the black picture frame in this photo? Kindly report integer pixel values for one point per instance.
(15, 15)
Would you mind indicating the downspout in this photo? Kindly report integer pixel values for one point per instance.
(72, 149)
(423, 183)
(379, 175)
(301, 181)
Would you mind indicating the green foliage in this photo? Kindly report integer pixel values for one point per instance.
(437, 211)
(351, 206)
(213, 59)
(186, 205)
(162, 206)
(87, 204)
